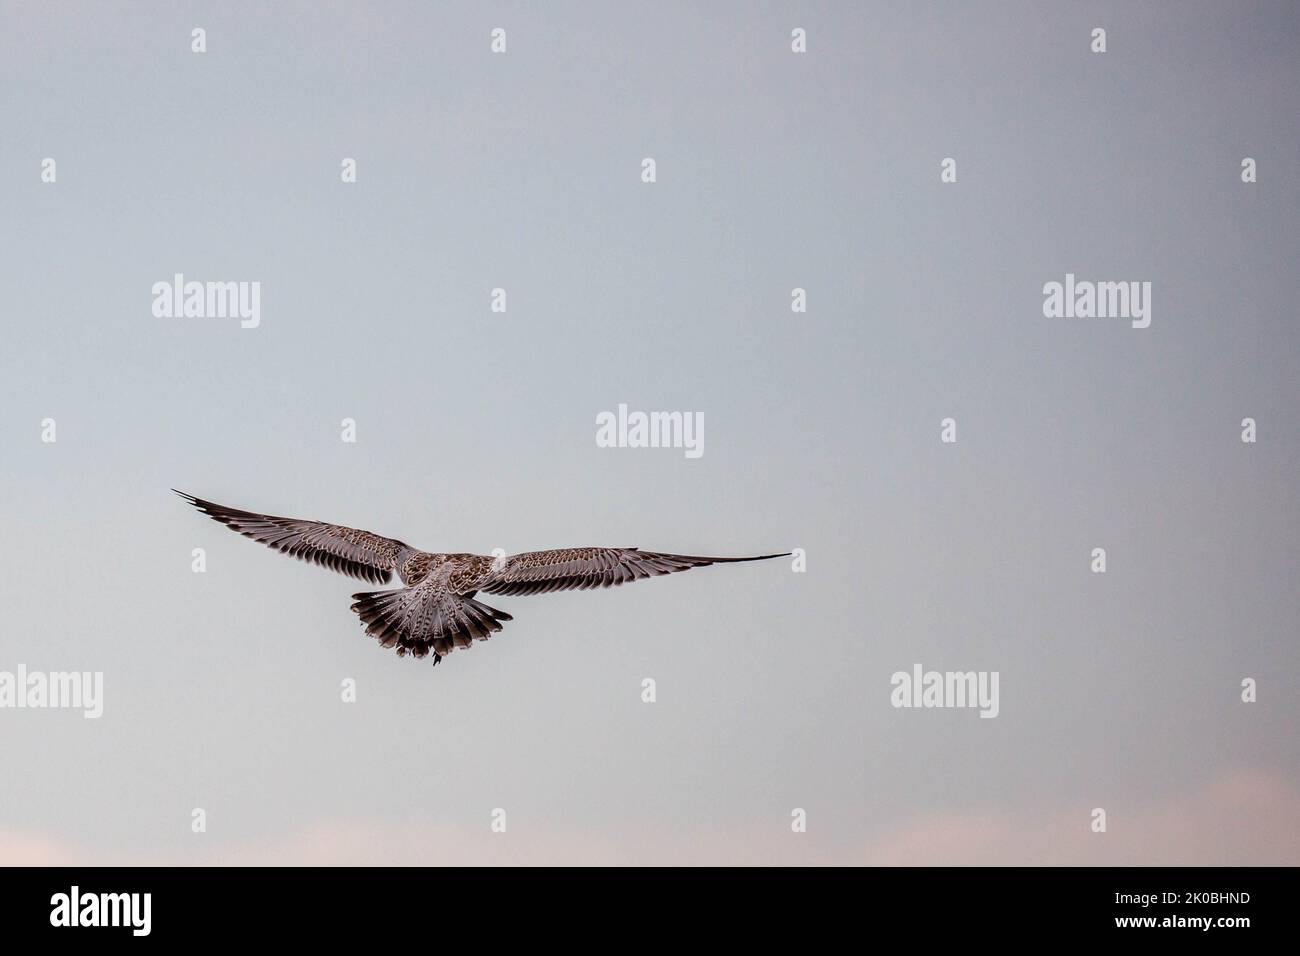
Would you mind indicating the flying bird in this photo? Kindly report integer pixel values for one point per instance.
(435, 610)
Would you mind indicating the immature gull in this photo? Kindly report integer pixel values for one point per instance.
(435, 611)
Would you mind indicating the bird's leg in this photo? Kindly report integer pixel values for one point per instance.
(436, 657)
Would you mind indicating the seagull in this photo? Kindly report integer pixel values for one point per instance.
(435, 610)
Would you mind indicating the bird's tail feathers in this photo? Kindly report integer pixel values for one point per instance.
(419, 620)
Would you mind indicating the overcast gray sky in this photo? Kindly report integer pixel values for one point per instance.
(475, 429)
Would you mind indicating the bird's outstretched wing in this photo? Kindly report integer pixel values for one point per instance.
(440, 614)
(563, 569)
(361, 554)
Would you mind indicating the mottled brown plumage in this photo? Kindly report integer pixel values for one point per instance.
(435, 611)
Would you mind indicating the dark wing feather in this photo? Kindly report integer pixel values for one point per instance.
(536, 572)
(361, 554)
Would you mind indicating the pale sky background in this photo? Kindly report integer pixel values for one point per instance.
(476, 430)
